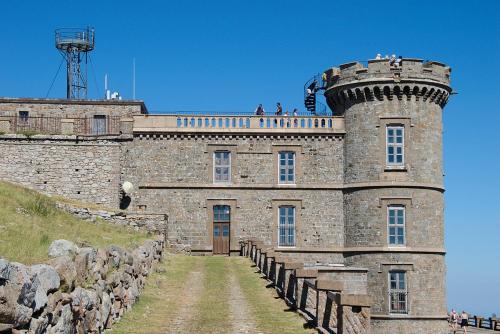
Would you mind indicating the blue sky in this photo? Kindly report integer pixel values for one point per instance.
(232, 55)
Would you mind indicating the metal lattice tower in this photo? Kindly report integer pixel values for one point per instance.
(74, 45)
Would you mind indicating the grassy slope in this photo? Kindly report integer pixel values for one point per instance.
(29, 222)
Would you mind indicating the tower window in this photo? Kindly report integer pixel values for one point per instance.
(396, 225)
(222, 166)
(286, 226)
(398, 293)
(395, 145)
(286, 167)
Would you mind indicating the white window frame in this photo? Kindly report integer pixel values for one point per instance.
(287, 167)
(287, 227)
(396, 208)
(228, 166)
(394, 145)
(398, 290)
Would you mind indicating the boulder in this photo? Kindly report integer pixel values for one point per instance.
(90, 322)
(39, 325)
(46, 279)
(66, 269)
(4, 269)
(62, 247)
(100, 267)
(22, 315)
(105, 309)
(64, 323)
(116, 255)
(8, 303)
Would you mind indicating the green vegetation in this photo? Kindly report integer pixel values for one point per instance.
(29, 222)
(212, 311)
(191, 294)
(271, 314)
(160, 299)
(28, 133)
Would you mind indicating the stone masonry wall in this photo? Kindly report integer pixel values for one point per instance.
(173, 174)
(80, 290)
(67, 108)
(368, 226)
(321, 215)
(86, 170)
(319, 159)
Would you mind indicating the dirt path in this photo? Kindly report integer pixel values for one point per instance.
(195, 294)
(181, 323)
(240, 315)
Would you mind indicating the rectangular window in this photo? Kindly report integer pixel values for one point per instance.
(395, 145)
(286, 167)
(286, 228)
(396, 225)
(23, 116)
(398, 293)
(99, 125)
(222, 213)
(222, 166)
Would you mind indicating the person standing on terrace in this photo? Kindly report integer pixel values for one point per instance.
(260, 110)
(279, 109)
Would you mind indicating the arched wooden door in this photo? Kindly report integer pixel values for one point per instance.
(221, 229)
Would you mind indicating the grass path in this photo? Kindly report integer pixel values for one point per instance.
(190, 294)
(242, 319)
(161, 298)
(271, 314)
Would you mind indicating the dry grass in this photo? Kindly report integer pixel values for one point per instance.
(166, 294)
(160, 299)
(29, 222)
(212, 312)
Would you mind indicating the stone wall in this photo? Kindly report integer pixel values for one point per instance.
(319, 159)
(164, 184)
(77, 168)
(80, 290)
(155, 223)
(70, 108)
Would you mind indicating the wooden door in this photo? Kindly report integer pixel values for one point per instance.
(221, 238)
(221, 229)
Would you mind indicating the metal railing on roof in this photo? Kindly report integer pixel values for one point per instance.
(97, 126)
(268, 113)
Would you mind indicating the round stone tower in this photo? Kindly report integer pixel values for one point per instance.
(393, 199)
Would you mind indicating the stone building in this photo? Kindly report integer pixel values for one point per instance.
(359, 192)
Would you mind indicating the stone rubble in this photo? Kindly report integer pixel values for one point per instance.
(149, 222)
(80, 290)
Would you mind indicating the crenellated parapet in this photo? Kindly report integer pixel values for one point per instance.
(411, 79)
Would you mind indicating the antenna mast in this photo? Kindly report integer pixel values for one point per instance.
(74, 45)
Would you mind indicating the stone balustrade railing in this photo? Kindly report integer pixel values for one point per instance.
(242, 124)
(321, 302)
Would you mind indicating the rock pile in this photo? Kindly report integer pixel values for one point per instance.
(80, 290)
(149, 222)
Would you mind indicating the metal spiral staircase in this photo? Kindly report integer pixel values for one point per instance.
(311, 87)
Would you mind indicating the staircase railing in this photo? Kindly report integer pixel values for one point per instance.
(311, 87)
